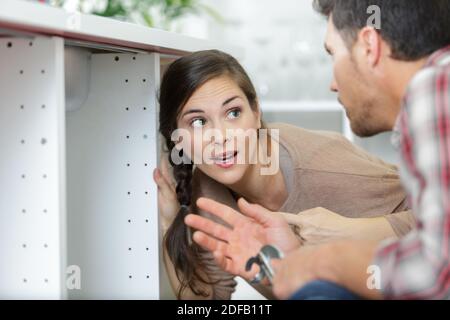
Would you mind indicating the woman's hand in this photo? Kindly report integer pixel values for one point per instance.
(319, 226)
(232, 247)
(167, 198)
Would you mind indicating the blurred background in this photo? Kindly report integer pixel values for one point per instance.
(284, 56)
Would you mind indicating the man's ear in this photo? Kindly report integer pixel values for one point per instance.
(370, 42)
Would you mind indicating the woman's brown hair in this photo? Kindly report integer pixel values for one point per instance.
(182, 78)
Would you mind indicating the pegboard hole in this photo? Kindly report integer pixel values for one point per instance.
(129, 249)
(116, 58)
(23, 176)
(129, 220)
(129, 193)
(22, 107)
(24, 211)
(43, 141)
(22, 141)
(30, 44)
(45, 245)
(145, 108)
(144, 80)
(21, 71)
(44, 211)
(24, 280)
(128, 137)
(134, 58)
(145, 164)
(126, 80)
(43, 106)
(146, 192)
(44, 176)
(130, 276)
(145, 136)
(128, 164)
(146, 249)
(46, 280)
(9, 45)
(127, 108)
(148, 277)
(24, 245)
(42, 71)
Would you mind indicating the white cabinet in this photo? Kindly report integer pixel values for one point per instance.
(78, 144)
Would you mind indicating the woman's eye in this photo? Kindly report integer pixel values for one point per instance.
(234, 114)
(197, 123)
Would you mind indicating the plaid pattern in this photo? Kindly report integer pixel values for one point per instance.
(418, 265)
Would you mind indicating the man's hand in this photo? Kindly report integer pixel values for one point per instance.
(232, 247)
(344, 263)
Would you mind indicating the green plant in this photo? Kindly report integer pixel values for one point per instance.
(153, 13)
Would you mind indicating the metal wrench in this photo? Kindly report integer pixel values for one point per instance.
(263, 260)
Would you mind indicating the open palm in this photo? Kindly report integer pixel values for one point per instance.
(247, 233)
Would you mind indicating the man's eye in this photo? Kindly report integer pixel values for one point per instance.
(234, 114)
(198, 123)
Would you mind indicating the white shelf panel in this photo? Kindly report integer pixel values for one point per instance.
(32, 17)
(112, 203)
(32, 169)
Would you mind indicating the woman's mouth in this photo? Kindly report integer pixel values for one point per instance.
(225, 160)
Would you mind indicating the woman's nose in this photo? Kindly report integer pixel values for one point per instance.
(221, 135)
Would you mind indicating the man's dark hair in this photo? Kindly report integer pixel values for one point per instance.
(412, 28)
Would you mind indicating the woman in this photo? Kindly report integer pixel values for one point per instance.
(209, 90)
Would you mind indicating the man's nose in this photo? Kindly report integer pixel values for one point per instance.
(333, 86)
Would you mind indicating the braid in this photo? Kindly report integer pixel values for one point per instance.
(183, 177)
(183, 255)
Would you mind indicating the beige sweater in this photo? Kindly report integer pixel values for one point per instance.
(321, 169)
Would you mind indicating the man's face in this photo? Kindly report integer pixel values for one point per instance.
(356, 86)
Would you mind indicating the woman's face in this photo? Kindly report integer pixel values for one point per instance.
(216, 117)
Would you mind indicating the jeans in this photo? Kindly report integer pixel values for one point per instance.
(323, 290)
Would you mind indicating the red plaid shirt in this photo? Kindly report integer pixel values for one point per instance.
(418, 265)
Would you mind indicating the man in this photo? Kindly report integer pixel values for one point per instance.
(395, 77)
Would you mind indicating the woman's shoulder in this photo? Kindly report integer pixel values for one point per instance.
(302, 144)
(295, 134)
(326, 150)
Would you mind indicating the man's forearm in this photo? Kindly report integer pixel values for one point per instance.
(347, 263)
